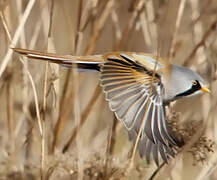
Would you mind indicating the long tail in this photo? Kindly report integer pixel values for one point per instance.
(83, 62)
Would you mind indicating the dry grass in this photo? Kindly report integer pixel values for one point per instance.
(55, 123)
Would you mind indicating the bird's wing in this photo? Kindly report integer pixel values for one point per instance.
(134, 94)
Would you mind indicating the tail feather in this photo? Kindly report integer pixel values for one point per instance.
(83, 62)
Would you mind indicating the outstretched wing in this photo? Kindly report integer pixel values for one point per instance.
(135, 93)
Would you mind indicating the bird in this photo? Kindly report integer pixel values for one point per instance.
(138, 87)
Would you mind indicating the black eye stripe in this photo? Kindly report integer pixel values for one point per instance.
(196, 84)
(194, 88)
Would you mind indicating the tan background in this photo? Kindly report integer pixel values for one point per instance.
(181, 31)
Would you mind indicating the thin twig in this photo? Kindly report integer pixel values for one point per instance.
(40, 123)
(156, 171)
(110, 144)
(84, 116)
(76, 110)
(148, 20)
(35, 97)
(189, 60)
(177, 25)
(66, 95)
(64, 110)
(116, 24)
(99, 26)
(10, 107)
(78, 25)
(113, 135)
(17, 35)
(45, 95)
(5, 26)
(51, 18)
(130, 25)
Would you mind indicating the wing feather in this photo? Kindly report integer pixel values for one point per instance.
(127, 86)
(162, 152)
(142, 142)
(165, 128)
(119, 85)
(120, 112)
(130, 116)
(115, 75)
(116, 67)
(155, 153)
(148, 120)
(155, 127)
(116, 80)
(115, 92)
(149, 146)
(119, 100)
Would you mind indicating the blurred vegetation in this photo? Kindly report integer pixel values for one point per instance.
(55, 123)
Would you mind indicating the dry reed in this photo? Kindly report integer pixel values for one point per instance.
(55, 124)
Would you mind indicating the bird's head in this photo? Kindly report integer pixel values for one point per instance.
(184, 82)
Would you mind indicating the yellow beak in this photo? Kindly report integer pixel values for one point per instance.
(204, 89)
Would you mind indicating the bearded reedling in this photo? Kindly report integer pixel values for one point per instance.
(137, 86)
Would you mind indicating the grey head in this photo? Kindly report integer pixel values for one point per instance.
(183, 82)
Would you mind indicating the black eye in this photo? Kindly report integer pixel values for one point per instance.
(195, 83)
